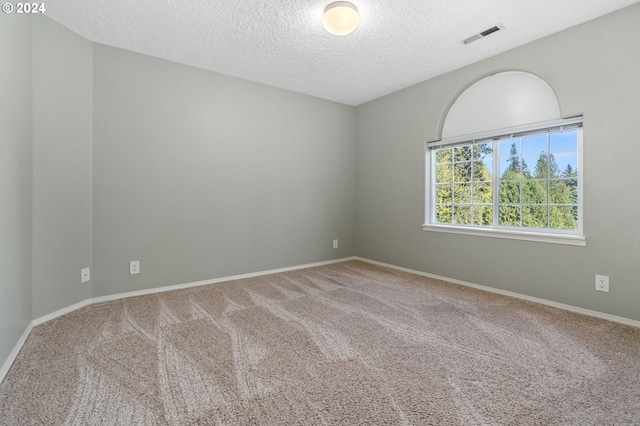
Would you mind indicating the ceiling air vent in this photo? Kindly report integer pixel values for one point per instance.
(483, 34)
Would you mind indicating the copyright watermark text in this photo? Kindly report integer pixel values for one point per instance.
(23, 8)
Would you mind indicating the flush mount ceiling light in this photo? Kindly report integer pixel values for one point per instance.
(340, 18)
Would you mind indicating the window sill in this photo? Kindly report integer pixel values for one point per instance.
(572, 240)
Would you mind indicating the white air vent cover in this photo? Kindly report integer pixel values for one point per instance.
(483, 34)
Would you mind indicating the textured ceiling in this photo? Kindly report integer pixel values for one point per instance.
(282, 43)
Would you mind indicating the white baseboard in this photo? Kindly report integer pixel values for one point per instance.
(14, 353)
(61, 312)
(119, 296)
(570, 308)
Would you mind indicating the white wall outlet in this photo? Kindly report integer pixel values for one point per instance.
(602, 283)
(134, 267)
(335, 243)
(85, 275)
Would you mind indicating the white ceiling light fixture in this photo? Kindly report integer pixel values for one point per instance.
(340, 18)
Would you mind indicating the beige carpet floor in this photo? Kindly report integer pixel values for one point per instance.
(348, 343)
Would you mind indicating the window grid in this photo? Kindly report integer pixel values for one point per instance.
(541, 211)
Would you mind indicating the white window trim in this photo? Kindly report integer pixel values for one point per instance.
(541, 237)
(574, 238)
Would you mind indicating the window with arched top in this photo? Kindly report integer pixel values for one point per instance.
(508, 165)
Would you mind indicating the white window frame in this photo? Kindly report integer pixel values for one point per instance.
(554, 236)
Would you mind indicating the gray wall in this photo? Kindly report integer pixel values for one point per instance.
(62, 131)
(594, 70)
(199, 175)
(15, 179)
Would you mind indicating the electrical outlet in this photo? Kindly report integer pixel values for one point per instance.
(85, 275)
(602, 283)
(134, 267)
(335, 243)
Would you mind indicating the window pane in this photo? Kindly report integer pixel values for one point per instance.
(563, 191)
(462, 153)
(444, 172)
(462, 215)
(482, 150)
(510, 215)
(482, 170)
(509, 147)
(554, 170)
(563, 217)
(443, 213)
(443, 193)
(534, 216)
(482, 193)
(510, 168)
(563, 140)
(530, 165)
(534, 144)
(483, 215)
(567, 163)
(534, 192)
(510, 192)
(444, 155)
(462, 193)
(573, 184)
(462, 172)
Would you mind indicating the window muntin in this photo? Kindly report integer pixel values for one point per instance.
(525, 182)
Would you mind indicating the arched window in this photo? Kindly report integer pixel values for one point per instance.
(507, 165)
